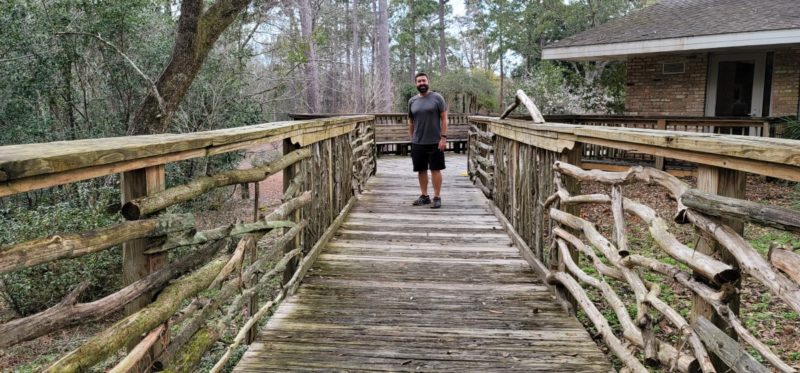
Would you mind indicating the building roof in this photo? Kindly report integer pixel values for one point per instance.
(692, 20)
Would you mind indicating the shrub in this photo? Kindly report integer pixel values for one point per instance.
(33, 289)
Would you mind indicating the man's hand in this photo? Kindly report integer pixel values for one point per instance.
(442, 143)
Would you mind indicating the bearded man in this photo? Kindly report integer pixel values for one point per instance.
(427, 127)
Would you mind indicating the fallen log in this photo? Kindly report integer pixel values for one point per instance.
(786, 261)
(107, 342)
(142, 206)
(68, 312)
(43, 250)
(754, 212)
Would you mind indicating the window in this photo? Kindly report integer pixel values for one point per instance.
(673, 68)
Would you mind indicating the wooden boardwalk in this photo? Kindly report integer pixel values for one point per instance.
(404, 288)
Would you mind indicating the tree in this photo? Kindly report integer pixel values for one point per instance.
(311, 73)
(384, 98)
(357, 77)
(197, 31)
(442, 40)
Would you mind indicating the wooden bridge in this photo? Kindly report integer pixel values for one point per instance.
(405, 288)
(493, 281)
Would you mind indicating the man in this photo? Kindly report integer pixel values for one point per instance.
(427, 127)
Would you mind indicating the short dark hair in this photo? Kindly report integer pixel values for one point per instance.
(419, 74)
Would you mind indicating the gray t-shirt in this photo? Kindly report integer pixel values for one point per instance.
(425, 112)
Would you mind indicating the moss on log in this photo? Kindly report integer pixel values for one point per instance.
(43, 250)
(126, 330)
(139, 207)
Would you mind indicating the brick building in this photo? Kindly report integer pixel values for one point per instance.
(701, 58)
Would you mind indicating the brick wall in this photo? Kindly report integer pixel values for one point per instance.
(785, 82)
(650, 92)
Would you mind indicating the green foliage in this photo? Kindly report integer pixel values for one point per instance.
(762, 242)
(467, 91)
(36, 288)
(792, 128)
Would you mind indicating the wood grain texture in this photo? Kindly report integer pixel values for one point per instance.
(386, 298)
(27, 160)
(761, 155)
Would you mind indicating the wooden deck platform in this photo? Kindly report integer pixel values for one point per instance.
(404, 288)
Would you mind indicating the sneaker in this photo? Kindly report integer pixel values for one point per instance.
(437, 203)
(422, 200)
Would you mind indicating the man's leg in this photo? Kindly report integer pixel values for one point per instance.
(423, 182)
(436, 175)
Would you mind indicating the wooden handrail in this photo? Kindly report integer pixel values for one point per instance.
(34, 166)
(774, 157)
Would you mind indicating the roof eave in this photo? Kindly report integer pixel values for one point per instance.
(692, 43)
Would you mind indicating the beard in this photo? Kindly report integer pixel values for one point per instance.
(422, 88)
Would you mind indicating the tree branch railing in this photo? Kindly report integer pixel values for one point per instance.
(326, 162)
(535, 191)
(391, 131)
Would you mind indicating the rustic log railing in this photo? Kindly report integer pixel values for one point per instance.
(391, 131)
(607, 158)
(325, 163)
(530, 172)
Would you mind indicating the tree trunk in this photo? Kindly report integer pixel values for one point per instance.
(358, 81)
(412, 51)
(311, 73)
(442, 40)
(196, 33)
(384, 92)
(502, 101)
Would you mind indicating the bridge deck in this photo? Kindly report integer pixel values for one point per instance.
(403, 288)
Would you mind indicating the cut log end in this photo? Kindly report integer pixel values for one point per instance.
(694, 367)
(727, 276)
(131, 211)
(652, 362)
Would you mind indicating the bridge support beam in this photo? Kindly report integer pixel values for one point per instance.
(135, 263)
(728, 183)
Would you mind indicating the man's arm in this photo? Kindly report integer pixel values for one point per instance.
(443, 139)
(410, 127)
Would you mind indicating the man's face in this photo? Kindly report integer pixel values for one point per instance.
(422, 84)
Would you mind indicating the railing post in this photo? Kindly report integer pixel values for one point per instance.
(288, 174)
(729, 183)
(253, 302)
(135, 264)
(573, 186)
(661, 124)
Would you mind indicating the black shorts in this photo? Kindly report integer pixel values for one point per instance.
(426, 157)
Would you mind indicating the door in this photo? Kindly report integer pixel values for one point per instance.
(736, 85)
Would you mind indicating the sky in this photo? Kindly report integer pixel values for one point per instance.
(458, 7)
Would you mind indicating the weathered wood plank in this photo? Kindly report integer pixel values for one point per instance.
(18, 161)
(402, 287)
